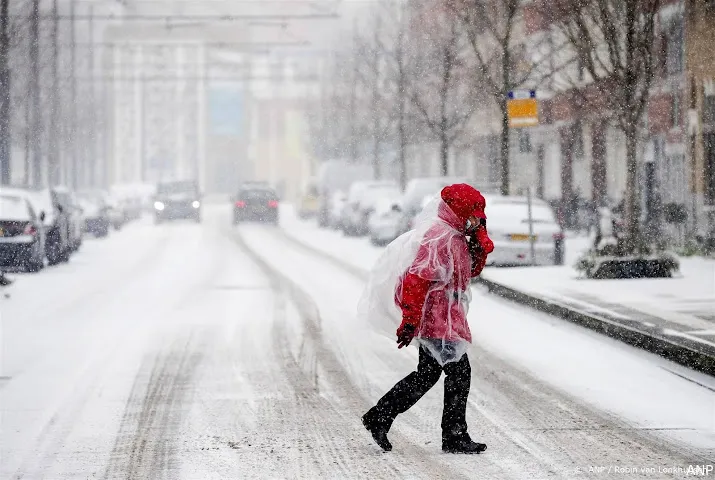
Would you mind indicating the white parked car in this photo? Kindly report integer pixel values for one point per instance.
(508, 225)
(384, 223)
(335, 209)
(360, 204)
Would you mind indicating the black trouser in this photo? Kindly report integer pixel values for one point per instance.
(411, 388)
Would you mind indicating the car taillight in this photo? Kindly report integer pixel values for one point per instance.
(273, 204)
(30, 230)
(240, 204)
(559, 236)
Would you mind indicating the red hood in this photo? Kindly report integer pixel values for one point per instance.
(464, 200)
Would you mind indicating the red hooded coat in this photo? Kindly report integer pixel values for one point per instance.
(430, 292)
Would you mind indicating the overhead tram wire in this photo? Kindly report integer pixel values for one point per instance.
(193, 18)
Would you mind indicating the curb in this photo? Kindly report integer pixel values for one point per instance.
(686, 353)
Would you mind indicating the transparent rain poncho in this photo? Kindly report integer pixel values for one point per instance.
(436, 251)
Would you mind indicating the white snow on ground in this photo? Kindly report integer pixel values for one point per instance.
(636, 386)
(165, 352)
(665, 298)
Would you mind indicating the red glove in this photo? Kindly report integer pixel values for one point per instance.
(484, 241)
(405, 334)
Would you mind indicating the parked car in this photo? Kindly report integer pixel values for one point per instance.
(177, 200)
(308, 203)
(57, 224)
(70, 204)
(117, 214)
(368, 202)
(416, 191)
(22, 237)
(96, 213)
(255, 202)
(360, 204)
(384, 223)
(337, 202)
(508, 224)
(337, 175)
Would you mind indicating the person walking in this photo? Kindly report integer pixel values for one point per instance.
(433, 295)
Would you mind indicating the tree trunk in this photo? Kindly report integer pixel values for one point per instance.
(36, 117)
(444, 154)
(53, 167)
(403, 142)
(73, 165)
(632, 217)
(5, 134)
(504, 149)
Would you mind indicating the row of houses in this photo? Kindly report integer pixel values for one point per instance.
(577, 151)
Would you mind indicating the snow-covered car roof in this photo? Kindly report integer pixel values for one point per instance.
(41, 200)
(14, 207)
(418, 188)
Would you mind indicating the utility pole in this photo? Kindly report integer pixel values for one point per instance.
(72, 164)
(92, 161)
(53, 154)
(5, 133)
(35, 117)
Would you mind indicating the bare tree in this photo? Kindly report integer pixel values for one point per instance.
(614, 41)
(369, 71)
(393, 48)
(441, 91)
(493, 31)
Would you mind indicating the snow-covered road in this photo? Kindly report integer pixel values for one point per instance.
(189, 351)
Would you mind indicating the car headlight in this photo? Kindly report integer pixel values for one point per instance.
(159, 206)
(196, 204)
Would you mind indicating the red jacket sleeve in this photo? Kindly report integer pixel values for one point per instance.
(414, 294)
(478, 263)
(487, 247)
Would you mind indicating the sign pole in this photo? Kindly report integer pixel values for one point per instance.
(531, 227)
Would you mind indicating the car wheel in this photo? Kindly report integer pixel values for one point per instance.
(35, 265)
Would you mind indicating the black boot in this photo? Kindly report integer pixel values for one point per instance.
(378, 429)
(462, 444)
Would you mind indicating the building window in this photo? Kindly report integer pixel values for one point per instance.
(709, 168)
(676, 112)
(709, 110)
(674, 47)
(577, 133)
(524, 140)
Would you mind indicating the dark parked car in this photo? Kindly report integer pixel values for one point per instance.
(255, 202)
(22, 241)
(177, 200)
(71, 205)
(57, 224)
(95, 211)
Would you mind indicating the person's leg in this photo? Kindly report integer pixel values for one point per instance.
(407, 391)
(457, 380)
(455, 438)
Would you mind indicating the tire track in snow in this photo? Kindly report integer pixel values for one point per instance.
(150, 425)
(350, 396)
(60, 424)
(550, 427)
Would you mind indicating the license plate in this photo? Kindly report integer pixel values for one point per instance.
(520, 237)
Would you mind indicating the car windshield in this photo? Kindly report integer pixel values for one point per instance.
(518, 214)
(257, 194)
(173, 188)
(13, 208)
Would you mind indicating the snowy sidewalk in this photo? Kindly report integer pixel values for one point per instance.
(678, 311)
